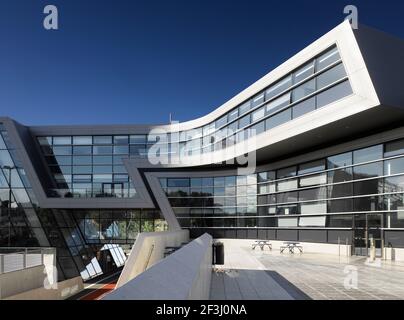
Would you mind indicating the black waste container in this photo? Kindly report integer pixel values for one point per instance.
(218, 253)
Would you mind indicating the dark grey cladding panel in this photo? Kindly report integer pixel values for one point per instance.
(313, 236)
(287, 235)
(383, 55)
(341, 236)
(394, 239)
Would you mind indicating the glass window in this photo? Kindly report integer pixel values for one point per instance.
(178, 182)
(230, 181)
(221, 121)
(330, 76)
(304, 107)
(340, 190)
(102, 139)
(278, 103)
(313, 194)
(278, 119)
(327, 59)
(266, 176)
(278, 87)
(286, 172)
(82, 150)
(368, 170)
(244, 108)
(102, 159)
(63, 160)
(62, 140)
(121, 149)
(368, 154)
(303, 90)
(233, 115)
(43, 141)
(258, 128)
(304, 72)
(81, 170)
(121, 140)
(82, 160)
(258, 114)
(62, 150)
(394, 166)
(313, 180)
(333, 94)
(80, 140)
(310, 167)
(102, 149)
(102, 169)
(317, 221)
(342, 205)
(244, 121)
(394, 148)
(138, 138)
(257, 100)
(5, 158)
(340, 160)
(340, 175)
(286, 185)
(313, 207)
(394, 184)
(285, 197)
(373, 186)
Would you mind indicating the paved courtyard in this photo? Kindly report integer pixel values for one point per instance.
(257, 274)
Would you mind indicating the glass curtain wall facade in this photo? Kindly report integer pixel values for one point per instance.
(328, 195)
(315, 84)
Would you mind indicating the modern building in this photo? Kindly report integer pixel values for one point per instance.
(324, 139)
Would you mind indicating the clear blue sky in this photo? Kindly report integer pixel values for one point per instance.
(116, 61)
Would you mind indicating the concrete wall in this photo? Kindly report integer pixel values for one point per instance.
(184, 275)
(148, 250)
(15, 282)
(64, 290)
(394, 254)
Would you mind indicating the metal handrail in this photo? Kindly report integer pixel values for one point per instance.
(24, 252)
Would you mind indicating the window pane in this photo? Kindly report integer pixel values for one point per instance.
(303, 90)
(310, 167)
(333, 94)
(394, 148)
(368, 170)
(330, 76)
(286, 172)
(368, 154)
(245, 121)
(121, 140)
(278, 87)
(62, 150)
(303, 72)
(102, 139)
(304, 107)
(178, 182)
(278, 103)
(340, 160)
(233, 115)
(82, 140)
(258, 114)
(82, 150)
(244, 108)
(327, 58)
(102, 149)
(102, 159)
(278, 119)
(257, 100)
(62, 140)
(394, 166)
(82, 160)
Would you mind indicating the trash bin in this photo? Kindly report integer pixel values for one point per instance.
(218, 253)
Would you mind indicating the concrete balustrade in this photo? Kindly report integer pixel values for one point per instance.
(183, 275)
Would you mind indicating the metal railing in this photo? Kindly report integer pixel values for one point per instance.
(18, 258)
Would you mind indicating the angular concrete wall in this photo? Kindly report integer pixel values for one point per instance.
(184, 275)
(148, 250)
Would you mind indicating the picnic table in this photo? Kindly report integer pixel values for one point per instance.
(261, 244)
(291, 246)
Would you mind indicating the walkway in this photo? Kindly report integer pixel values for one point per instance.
(255, 274)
